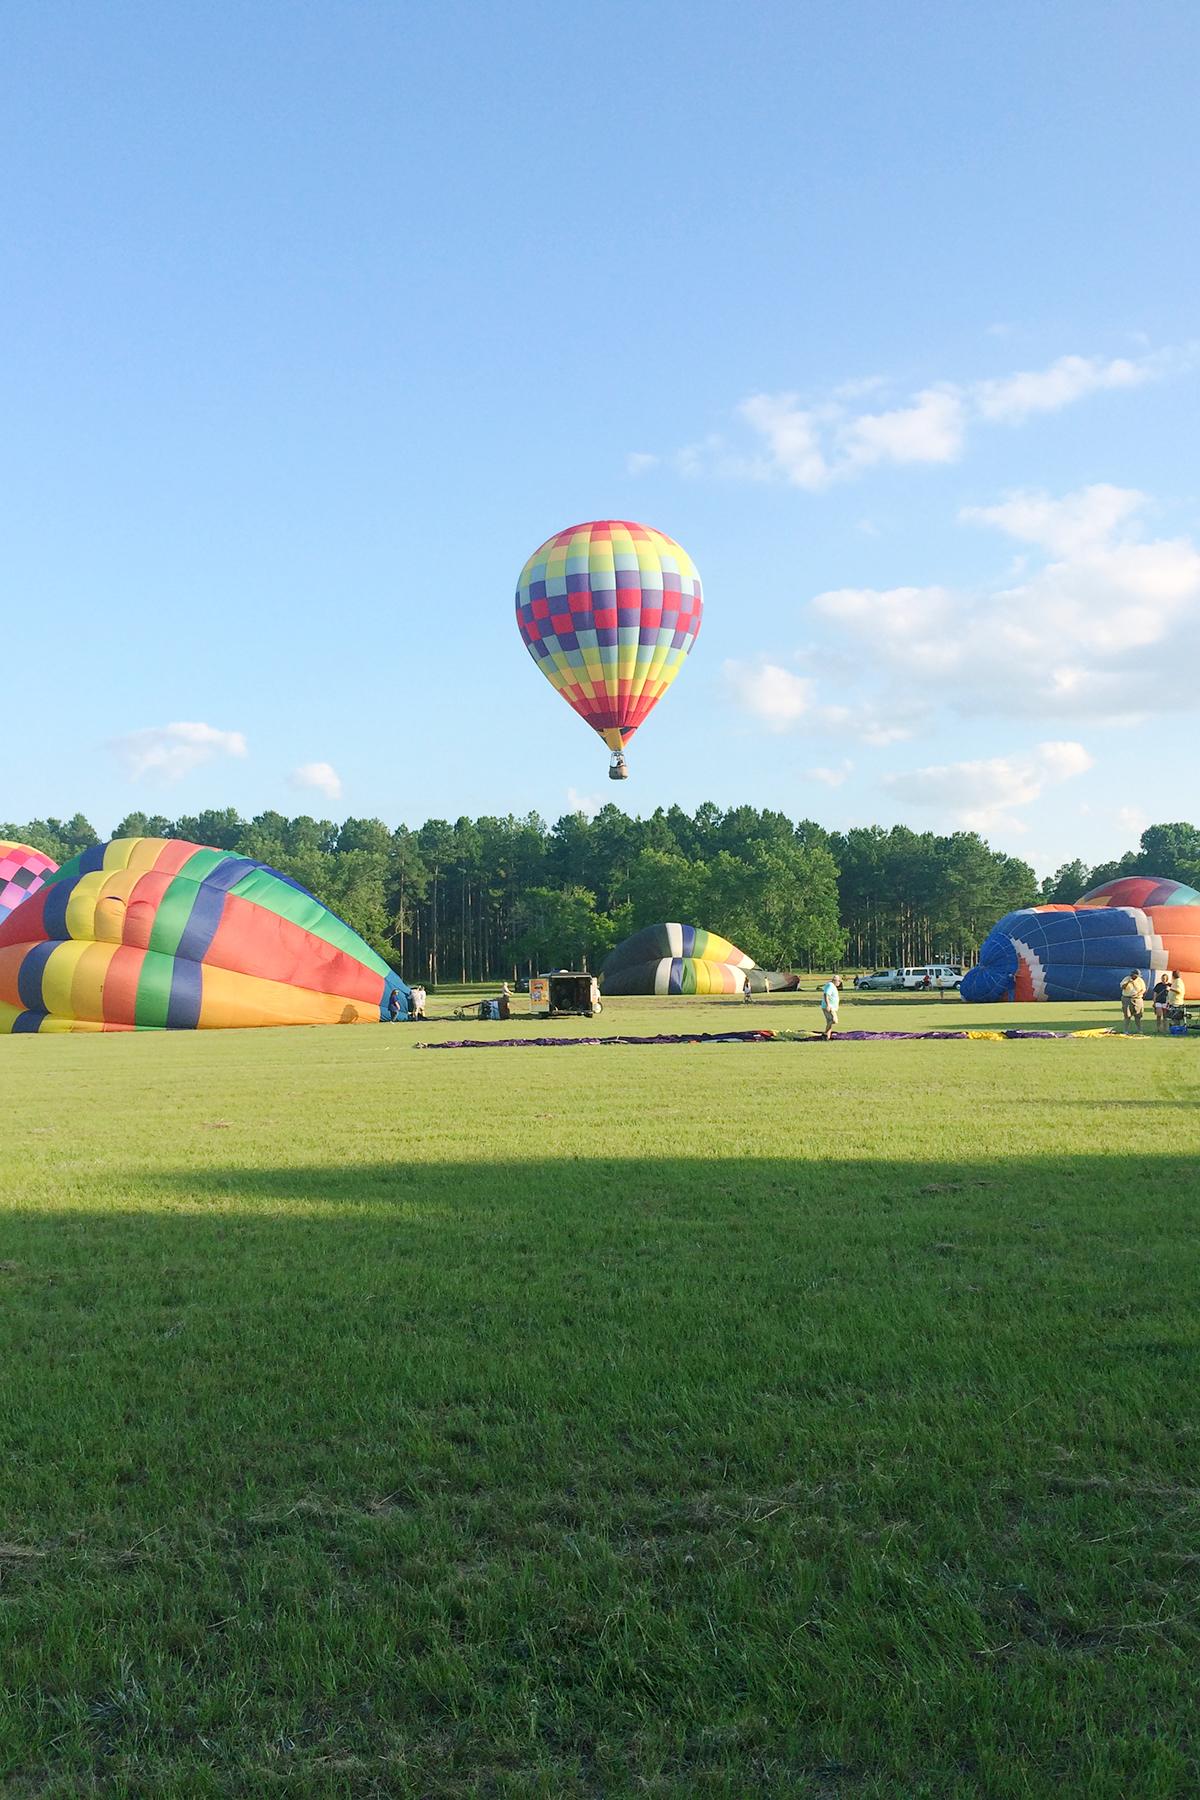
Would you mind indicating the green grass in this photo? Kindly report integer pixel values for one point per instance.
(721, 1420)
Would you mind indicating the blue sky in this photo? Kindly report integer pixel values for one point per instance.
(317, 319)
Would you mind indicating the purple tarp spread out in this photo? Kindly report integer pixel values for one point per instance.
(548, 1043)
(740, 1037)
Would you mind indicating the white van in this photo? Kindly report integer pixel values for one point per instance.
(939, 976)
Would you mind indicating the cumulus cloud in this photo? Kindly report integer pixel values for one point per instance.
(1083, 633)
(319, 777)
(169, 752)
(783, 701)
(587, 804)
(811, 443)
(773, 695)
(931, 429)
(1076, 524)
(893, 620)
(793, 438)
(981, 795)
(1014, 398)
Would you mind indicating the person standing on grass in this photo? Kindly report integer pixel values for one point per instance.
(417, 1003)
(747, 996)
(831, 995)
(1178, 992)
(1161, 997)
(1133, 993)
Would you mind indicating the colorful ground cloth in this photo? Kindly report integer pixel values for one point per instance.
(750, 1037)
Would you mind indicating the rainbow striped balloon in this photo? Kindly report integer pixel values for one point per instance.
(675, 959)
(156, 933)
(608, 611)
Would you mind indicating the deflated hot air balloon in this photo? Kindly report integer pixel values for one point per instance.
(146, 933)
(22, 873)
(1083, 952)
(675, 959)
(609, 611)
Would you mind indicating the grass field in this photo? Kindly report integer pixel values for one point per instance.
(722, 1420)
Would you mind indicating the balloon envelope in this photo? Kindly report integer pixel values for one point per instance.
(22, 872)
(1083, 952)
(145, 933)
(675, 959)
(608, 611)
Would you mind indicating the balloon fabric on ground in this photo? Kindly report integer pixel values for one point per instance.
(675, 959)
(23, 871)
(158, 933)
(754, 1037)
(608, 611)
(1083, 952)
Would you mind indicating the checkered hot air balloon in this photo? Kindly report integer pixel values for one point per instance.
(608, 611)
(22, 872)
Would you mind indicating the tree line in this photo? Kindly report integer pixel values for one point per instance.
(483, 897)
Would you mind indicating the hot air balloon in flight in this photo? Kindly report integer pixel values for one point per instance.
(608, 611)
(146, 933)
(22, 872)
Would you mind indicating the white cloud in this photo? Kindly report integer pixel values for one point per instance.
(792, 437)
(783, 701)
(774, 696)
(810, 443)
(1014, 398)
(931, 429)
(638, 461)
(587, 804)
(894, 620)
(1085, 632)
(1079, 522)
(320, 777)
(832, 777)
(980, 795)
(812, 446)
(170, 752)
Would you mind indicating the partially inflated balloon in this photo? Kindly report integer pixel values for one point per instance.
(1140, 891)
(145, 933)
(675, 959)
(22, 872)
(609, 611)
(1083, 952)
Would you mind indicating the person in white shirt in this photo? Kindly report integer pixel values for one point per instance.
(831, 995)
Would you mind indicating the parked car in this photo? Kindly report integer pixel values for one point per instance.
(880, 978)
(939, 976)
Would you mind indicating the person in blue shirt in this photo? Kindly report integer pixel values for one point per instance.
(831, 995)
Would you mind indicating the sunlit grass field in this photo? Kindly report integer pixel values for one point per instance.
(796, 1419)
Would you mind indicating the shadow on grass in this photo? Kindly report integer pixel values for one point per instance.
(685, 1476)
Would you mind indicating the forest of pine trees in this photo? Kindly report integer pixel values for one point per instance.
(490, 896)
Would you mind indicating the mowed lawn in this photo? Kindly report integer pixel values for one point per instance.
(797, 1419)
